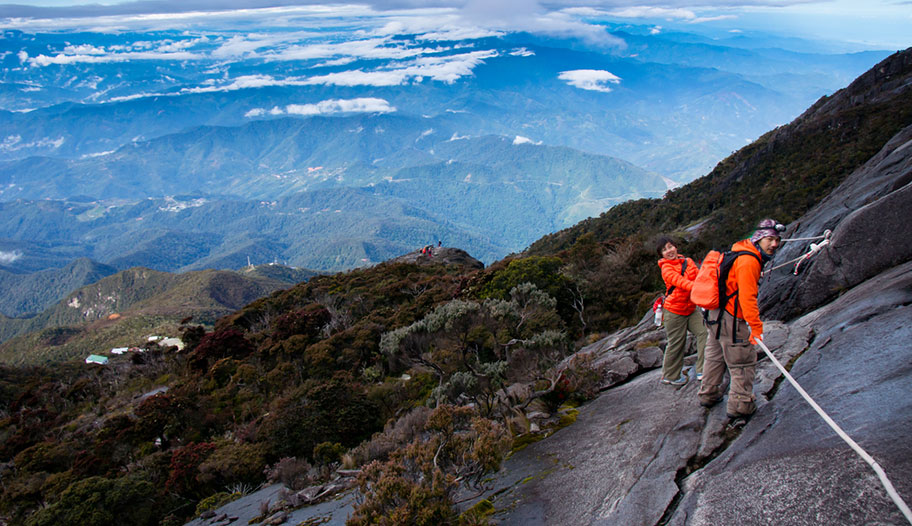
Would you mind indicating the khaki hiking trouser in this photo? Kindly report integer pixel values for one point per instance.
(741, 359)
(676, 327)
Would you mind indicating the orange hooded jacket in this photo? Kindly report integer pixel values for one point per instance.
(678, 301)
(745, 278)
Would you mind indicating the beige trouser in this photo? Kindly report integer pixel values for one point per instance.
(676, 327)
(741, 359)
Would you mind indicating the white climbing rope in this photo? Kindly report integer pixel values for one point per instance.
(813, 249)
(891, 491)
(826, 235)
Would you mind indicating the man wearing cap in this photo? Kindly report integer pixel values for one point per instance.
(732, 344)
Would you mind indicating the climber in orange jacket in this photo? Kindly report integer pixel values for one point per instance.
(730, 344)
(680, 314)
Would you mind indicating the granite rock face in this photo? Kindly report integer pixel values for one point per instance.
(645, 453)
(788, 466)
(867, 215)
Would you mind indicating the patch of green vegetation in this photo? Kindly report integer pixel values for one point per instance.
(567, 418)
(216, 501)
(522, 441)
(315, 521)
(478, 514)
(38, 349)
(572, 403)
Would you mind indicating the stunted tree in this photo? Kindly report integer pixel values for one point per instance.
(476, 348)
(418, 483)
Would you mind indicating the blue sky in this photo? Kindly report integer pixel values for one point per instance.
(880, 24)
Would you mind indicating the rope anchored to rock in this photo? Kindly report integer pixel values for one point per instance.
(891, 491)
(813, 249)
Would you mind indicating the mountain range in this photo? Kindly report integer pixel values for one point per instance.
(325, 193)
(719, 96)
(356, 152)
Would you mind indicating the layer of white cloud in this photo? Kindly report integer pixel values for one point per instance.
(173, 15)
(13, 143)
(531, 16)
(64, 58)
(328, 107)
(519, 139)
(375, 48)
(97, 154)
(684, 14)
(247, 82)
(139, 96)
(361, 78)
(447, 69)
(590, 79)
(7, 257)
(451, 20)
(344, 61)
(248, 45)
(449, 17)
(84, 49)
(459, 33)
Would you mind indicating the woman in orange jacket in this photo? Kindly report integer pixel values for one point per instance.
(680, 315)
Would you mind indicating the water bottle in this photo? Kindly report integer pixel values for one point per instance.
(658, 316)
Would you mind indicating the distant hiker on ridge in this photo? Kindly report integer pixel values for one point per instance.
(680, 314)
(739, 325)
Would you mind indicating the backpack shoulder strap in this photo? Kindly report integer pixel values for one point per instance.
(728, 261)
(683, 268)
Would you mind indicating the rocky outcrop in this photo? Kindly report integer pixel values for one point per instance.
(270, 505)
(627, 352)
(867, 215)
(621, 461)
(879, 84)
(788, 466)
(437, 255)
(645, 453)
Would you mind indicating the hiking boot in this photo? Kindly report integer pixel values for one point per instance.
(677, 383)
(740, 409)
(709, 402)
(739, 416)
